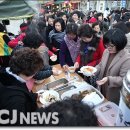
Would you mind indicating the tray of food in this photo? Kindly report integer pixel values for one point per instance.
(86, 93)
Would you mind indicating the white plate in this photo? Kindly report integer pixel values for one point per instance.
(44, 99)
(88, 73)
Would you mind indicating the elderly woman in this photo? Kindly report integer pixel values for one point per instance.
(114, 65)
(15, 93)
(70, 46)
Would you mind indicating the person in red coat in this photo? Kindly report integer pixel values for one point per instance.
(91, 48)
(18, 40)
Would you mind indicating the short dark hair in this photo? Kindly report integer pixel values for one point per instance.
(32, 40)
(116, 37)
(71, 28)
(61, 14)
(128, 25)
(76, 12)
(72, 113)
(51, 17)
(85, 31)
(23, 25)
(98, 14)
(95, 24)
(126, 17)
(61, 21)
(121, 25)
(26, 61)
(117, 17)
(70, 20)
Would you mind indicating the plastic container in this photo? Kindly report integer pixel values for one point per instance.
(107, 113)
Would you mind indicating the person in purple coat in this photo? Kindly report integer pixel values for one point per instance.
(70, 46)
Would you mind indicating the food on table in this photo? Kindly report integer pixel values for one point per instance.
(76, 97)
(84, 93)
(81, 95)
(88, 69)
(50, 98)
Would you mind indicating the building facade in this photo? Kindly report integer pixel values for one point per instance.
(100, 5)
(86, 5)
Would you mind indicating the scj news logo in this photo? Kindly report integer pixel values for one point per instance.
(31, 118)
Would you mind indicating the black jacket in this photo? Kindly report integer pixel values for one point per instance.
(15, 95)
(44, 73)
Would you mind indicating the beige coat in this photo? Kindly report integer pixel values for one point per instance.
(128, 42)
(115, 73)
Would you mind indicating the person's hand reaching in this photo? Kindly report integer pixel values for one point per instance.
(102, 82)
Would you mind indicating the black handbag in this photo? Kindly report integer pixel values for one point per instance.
(93, 80)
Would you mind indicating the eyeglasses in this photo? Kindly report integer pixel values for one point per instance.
(109, 45)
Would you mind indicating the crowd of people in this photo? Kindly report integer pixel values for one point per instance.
(69, 39)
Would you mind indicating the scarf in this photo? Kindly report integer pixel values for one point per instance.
(73, 47)
(86, 52)
(88, 49)
(59, 37)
